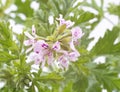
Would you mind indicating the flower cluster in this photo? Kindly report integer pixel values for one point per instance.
(61, 48)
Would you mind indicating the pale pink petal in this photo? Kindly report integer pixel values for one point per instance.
(69, 24)
(28, 42)
(33, 30)
(56, 46)
(37, 61)
(40, 45)
(76, 33)
(73, 56)
(32, 56)
(72, 46)
(37, 48)
(28, 35)
(63, 61)
(37, 58)
(50, 58)
(62, 21)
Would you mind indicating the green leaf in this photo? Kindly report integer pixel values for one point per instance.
(95, 87)
(24, 7)
(114, 9)
(6, 37)
(5, 32)
(85, 17)
(106, 45)
(6, 57)
(109, 80)
(104, 75)
(51, 76)
(81, 84)
(8, 48)
(68, 87)
(32, 88)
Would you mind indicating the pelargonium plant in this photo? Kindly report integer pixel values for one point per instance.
(59, 47)
(73, 46)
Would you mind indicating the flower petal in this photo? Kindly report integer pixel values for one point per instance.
(29, 35)
(73, 56)
(28, 42)
(50, 58)
(72, 46)
(63, 61)
(56, 46)
(33, 30)
(76, 33)
(68, 23)
(40, 45)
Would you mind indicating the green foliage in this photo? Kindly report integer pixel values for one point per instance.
(106, 77)
(106, 44)
(84, 75)
(5, 35)
(81, 84)
(114, 9)
(22, 7)
(7, 45)
(85, 17)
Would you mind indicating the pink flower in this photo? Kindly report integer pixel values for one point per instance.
(63, 61)
(31, 40)
(68, 23)
(66, 57)
(73, 56)
(40, 45)
(76, 33)
(41, 57)
(42, 53)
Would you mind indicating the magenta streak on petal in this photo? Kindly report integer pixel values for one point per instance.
(76, 33)
(60, 58)
(45, 46)
(37, 52)
(55, 47)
